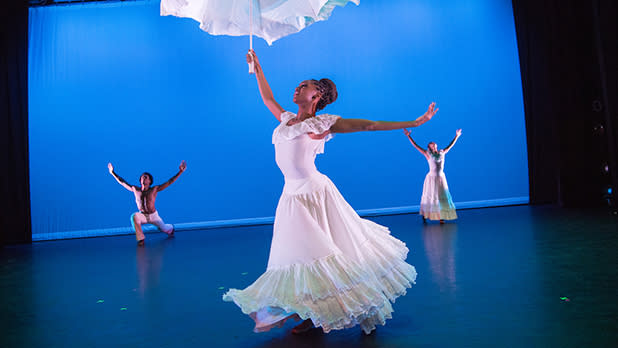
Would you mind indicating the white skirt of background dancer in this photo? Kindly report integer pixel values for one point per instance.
(436, 202)
(139, 218)
(326, 263)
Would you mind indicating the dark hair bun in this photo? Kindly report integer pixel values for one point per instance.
(329, 93)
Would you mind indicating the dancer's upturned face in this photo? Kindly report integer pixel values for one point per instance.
(145, 180)
(433, 147)
(305, 93)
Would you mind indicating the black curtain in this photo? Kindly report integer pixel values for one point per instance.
(566, 51)
(15, 224)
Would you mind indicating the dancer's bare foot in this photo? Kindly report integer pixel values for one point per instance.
(171, 234)
(441, 222)
(303, 327)
(140, 242)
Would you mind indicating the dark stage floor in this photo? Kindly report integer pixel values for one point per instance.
(493, 279)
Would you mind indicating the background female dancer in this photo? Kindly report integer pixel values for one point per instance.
(327, 265)
(436, 201)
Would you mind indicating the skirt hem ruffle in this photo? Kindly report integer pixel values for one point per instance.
(333, 292)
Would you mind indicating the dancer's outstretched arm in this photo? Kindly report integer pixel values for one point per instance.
(420, 149)
(120, 180)
(267, 95)
(349, 125)
(457, 135)
(182, 168)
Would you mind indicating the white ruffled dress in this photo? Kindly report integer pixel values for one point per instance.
(326, 263)
(436, 201)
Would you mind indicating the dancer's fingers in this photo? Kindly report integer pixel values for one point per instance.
(254, 56)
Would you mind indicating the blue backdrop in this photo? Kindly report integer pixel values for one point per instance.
(117, 82)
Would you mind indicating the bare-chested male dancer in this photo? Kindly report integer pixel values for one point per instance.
(145, 197)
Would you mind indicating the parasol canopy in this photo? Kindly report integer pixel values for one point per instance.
(268, 19)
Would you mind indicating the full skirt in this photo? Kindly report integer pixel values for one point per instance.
(326, 264)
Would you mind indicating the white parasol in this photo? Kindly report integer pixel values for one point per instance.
(268, 19)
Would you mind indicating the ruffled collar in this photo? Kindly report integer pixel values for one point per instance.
(317, 125)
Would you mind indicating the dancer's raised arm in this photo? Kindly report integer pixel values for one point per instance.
(181, 169)
(457, 135)
(267, 95)
(349, 125)
(120, 180)
(420, 149)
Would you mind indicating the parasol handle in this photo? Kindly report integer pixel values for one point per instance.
(251, 66)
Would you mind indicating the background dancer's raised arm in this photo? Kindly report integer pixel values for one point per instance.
(457, 135)
(181, 169)
(120, 180)
(420, 149)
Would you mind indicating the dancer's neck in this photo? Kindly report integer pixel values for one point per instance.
(305, 112)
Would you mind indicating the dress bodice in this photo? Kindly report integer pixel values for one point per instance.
(295, 150)
(436, 162)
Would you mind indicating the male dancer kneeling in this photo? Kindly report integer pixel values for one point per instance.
(145, 197)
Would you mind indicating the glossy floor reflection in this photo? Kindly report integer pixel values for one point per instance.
(494, 278)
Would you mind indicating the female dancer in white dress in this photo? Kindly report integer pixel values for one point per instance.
(327, 266)
(436, 202)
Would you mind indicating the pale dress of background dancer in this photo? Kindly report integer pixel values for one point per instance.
(327, 266)
(145, 197)
(436, 201)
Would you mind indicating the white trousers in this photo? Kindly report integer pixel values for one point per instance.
(138, 219)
